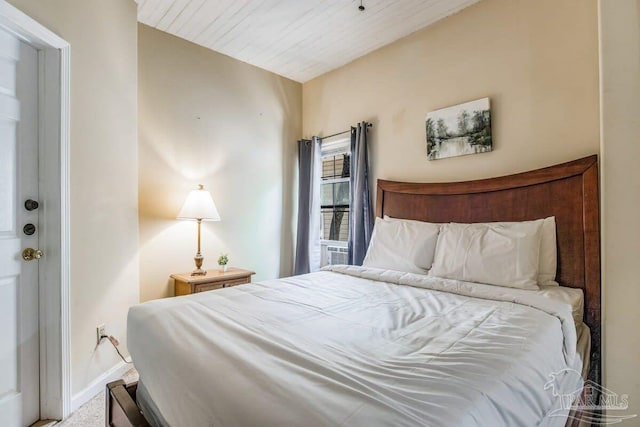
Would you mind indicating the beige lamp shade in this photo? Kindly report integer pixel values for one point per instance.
(199, 205)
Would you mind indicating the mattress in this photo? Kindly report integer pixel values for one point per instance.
(353, 346)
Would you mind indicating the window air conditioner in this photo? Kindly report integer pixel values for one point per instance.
(337, 255)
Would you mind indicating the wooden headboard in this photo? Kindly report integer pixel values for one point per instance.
(568, 191)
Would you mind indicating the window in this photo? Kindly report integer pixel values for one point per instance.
(334, 201)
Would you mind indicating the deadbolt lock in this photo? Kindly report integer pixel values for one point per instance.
(31, 205)
(30, 254)
(29, 229)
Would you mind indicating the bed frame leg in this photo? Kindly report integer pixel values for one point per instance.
(121, 409)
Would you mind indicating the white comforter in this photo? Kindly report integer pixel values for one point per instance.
(354, 347)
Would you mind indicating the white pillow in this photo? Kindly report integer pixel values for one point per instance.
(402, 245)
(548, 253)
(426, 228)
(502, 254)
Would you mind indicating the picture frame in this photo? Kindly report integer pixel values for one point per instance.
(459, 130)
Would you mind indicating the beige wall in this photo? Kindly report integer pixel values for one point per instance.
(205, 118)
(620, 83)
(104, 170)
(537, 60)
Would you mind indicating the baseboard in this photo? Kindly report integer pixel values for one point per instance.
(98, 385)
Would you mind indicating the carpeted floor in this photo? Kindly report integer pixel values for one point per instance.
(91, 414)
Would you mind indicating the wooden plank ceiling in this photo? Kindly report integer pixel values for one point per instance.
(298, 39)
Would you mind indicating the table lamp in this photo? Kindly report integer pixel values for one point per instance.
(199, 206)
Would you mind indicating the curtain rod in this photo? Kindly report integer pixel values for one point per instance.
(340, 133)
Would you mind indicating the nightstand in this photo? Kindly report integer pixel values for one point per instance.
(214, 279)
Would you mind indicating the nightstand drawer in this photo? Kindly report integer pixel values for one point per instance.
(242, 281)
(208, 287)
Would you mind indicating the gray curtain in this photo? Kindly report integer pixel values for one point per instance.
(309, 176)
(361, 212)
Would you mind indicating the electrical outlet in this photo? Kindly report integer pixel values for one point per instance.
(100, 333)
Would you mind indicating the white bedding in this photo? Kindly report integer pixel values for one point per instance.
(356, 347)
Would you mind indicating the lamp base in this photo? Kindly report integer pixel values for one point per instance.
(198, 259)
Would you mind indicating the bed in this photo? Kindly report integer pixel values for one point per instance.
(361, 346)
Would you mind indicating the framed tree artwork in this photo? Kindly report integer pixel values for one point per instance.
(459, 130)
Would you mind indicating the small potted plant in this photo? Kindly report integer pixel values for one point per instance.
(223, 260)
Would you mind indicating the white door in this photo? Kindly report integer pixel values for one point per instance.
(19, 334)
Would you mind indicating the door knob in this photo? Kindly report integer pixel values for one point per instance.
(30, 254)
